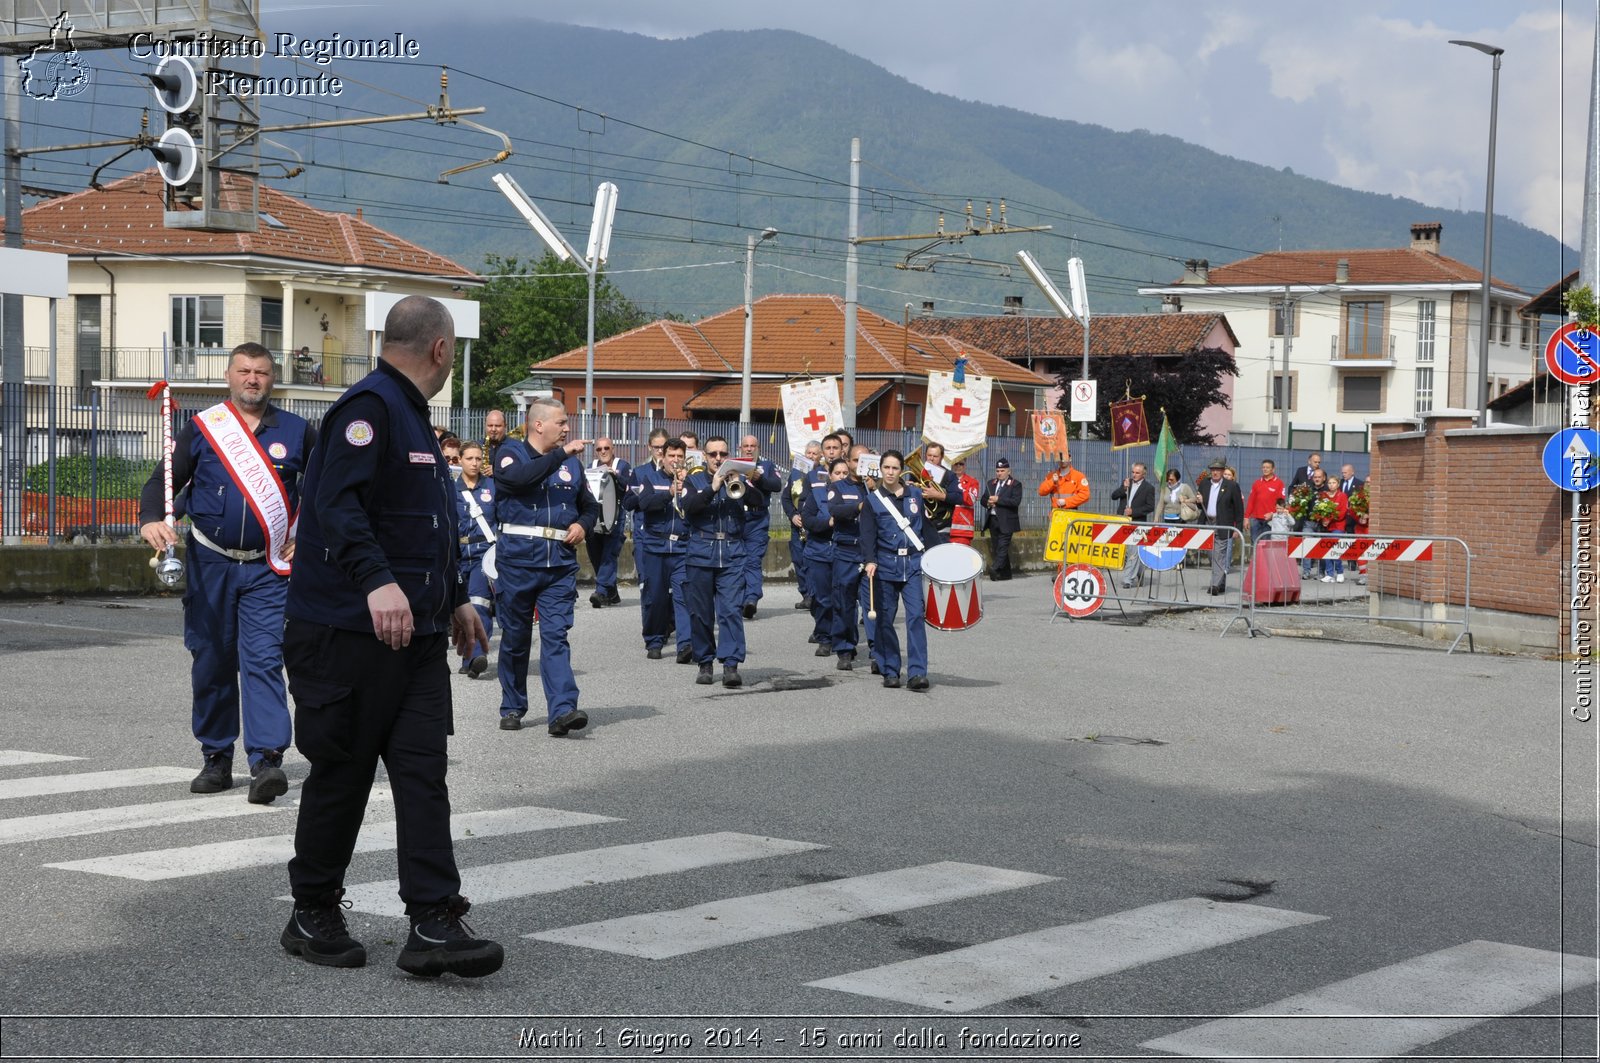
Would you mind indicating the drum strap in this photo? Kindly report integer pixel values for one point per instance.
(899, 518)
(476, 512)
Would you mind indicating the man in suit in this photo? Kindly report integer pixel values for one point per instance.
(1222, 504)
(1302, 476)
(1138, 498)
(1003, 499)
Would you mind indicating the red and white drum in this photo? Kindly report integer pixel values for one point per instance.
(953, 572)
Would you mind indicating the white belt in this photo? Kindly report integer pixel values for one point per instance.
(237, 555)
(535, 531)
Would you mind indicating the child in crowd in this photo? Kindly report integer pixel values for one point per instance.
(1280, 521)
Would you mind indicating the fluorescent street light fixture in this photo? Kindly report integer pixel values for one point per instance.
(1078, 287)
(535, 217)
(605, 212)
(1045, 284)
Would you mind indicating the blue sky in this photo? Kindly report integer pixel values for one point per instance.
(1364, 93)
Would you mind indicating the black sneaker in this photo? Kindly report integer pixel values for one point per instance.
(477, 666)
(654, 653)
(704, 678)
(572, 720)
(510, 721)
(317, 934)
(597, 600)
(847, 661)
(730, 676)
(267, 781)
(686, 655)
(891, 681)
(917, 682)
(875, 669)
(750, 610)
(802, 604)
(613, 598)
(442, 943)
(823, 650)
(215, 777)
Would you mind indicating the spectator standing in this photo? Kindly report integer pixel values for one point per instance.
(1333, 523)
(1002, 499)
(1221, 504)
(1263, 501)
(1066, 487)
(1177, 504)
(1138, 498)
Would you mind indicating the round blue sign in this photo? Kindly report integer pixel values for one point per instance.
(1572, 459)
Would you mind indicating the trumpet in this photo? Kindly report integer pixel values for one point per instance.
(736, 487)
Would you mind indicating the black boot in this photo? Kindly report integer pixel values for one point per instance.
(316, 933)
(442, 943)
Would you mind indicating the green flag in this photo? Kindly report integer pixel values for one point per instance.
(1166, 451)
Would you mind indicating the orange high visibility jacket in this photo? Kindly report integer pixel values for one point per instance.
(1067, 490)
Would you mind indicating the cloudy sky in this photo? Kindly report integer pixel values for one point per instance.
(1365, 93)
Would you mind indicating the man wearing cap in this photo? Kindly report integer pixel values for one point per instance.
(1224, 505)
(1002, 498)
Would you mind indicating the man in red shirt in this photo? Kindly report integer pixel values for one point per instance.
(962, 522)
(1264, 495)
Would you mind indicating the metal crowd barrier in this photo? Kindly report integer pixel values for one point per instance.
(1416, 569)
(1155, 586)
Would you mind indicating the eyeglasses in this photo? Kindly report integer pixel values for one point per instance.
(602, 448)
(716, 453)
(658, 446)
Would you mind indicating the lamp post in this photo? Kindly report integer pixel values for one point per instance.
(749, 318)
(1488, 230)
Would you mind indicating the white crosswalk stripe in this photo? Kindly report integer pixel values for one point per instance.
(20, 829)
(83, 782)
(187, 861)
(981, 975)
(552, 874)
(11, 758)
(707, 926)
(1429, 997)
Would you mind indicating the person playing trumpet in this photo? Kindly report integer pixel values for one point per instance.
(835, 511)
(666, 552)
(891, 533)
(763, 483)
(715, 510)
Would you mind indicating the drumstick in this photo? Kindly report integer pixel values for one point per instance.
(872, 600)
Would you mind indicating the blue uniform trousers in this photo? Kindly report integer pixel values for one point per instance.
(797, 558)
(864, 607)
(757, 534)
(846, 588)
(716, 592)
(819, 576)
(552, 591)
(358, 701)
(603, 553)
(886, 648)
(665, 601)
(233, 627)
(481, 595)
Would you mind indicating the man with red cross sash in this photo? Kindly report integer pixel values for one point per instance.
(237, 467)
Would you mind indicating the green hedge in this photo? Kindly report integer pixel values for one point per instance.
(118, 477)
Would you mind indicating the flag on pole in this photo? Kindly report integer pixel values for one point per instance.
(811, 410)
(1050, 436)
(957, 416)
(1166, 450)
(1128, 426)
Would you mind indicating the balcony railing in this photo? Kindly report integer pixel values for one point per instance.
(198, 365)
(1336, 353)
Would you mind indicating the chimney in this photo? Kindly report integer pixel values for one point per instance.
(1013, 304)
(1196, 271)
(1425, 236)
(927, 308)
(358, 214)
(1171, 304)
(1341, 271)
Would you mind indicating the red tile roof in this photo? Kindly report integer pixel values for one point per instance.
(793, 335)
(1019, 337)
(1384, 265)
(125, 217)
(725, 396)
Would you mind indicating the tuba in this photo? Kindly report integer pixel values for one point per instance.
(914, 473)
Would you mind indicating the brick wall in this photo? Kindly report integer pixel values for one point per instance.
(1488, 488)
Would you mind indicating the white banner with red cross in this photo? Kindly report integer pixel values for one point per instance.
(1359, 549)
(811, 410)
(957, 415)
(1166, 536)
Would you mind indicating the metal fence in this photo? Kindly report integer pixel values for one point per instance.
(87, 452)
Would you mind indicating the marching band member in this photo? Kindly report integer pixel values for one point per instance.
(545, 511)
(863, 600)
(761, 485)
(938, 489)
(792, 493)
(819, 545)
(630, 505)
(475, 521)
(843, 503)
(891, 531)
(604, 548)
(666, 553)
(716, 566)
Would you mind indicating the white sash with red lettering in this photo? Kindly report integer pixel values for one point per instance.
(252, 473)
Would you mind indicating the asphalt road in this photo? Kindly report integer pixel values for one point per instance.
(1158, 827)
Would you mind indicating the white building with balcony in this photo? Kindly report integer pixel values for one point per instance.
(1334, 340)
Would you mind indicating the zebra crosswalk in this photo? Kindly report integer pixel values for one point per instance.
(1370, 1014)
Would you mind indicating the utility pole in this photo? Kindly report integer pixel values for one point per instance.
(850, 270)
(13, 410)
(1283, 379)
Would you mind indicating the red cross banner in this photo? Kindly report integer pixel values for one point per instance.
(1050, 436)
(810, 410)
(1128, 426)
(957, 415)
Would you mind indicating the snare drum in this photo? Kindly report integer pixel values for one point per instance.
(603, 485)
(954, 600)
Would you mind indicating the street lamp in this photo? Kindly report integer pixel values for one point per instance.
(749, 317)
(1488, 230)
(1077, 310)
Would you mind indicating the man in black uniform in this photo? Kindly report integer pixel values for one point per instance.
(374, 601)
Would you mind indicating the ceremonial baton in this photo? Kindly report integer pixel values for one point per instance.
(168, 566)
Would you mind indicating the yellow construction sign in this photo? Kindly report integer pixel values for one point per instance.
(1080, 549)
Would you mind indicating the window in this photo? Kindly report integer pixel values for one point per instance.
(1525, 335)
(910, 415)
(1505, 324)
(655, 410)
(196, 325)
(1361, 393)
(272, 329)
(90, 363)
(1427, 317)
(1363, 330)
(1275, 386)
(1284, 312)
(1424, 390)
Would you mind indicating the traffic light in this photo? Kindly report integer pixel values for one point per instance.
(177, 154)
(207, 156)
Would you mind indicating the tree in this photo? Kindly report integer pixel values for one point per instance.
(533, 311)
(1185, 387)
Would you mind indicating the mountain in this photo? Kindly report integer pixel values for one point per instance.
(715, 137)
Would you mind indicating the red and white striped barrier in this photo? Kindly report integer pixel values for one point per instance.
(1156, 535)
(1313, 549)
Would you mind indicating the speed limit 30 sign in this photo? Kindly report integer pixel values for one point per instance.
(1080, 590)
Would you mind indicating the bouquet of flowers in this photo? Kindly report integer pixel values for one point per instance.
(1359, 504)
(1301, 501)
(1324, 510)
